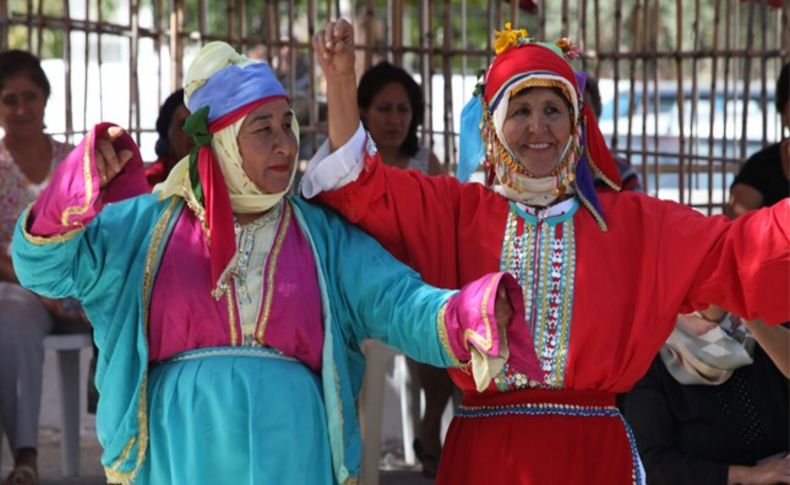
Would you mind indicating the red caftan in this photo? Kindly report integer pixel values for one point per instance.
(599, 305)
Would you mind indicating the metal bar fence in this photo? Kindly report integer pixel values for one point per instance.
(688, 86)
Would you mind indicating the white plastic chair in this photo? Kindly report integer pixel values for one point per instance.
(377, 359)
(68, 347)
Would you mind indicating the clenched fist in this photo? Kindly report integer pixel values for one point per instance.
(110, 162)
(334, 46)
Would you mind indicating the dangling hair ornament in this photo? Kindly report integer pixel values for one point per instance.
(472, 148)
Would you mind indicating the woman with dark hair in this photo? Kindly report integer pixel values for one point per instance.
(391, 107)
(28, 157)
(173, 144)
(765, 177)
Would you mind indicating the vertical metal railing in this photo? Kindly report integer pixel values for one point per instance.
(665, 60)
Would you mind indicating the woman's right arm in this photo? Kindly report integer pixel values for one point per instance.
(775, 340)
(61, 246)
(743, 198)
(404, 210)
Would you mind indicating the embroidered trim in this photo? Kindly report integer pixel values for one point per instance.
(115, 476)
(637, 473)
(593, 211)
(341, 418)
(569, 264)
(486, 342)
(87, 180)
(335, 432)
(113, 473)
(516, 177)
(508, 379)
(272, 270)
(39, 240)
(232, 308)
(540, 254)
(599, 172)
(263, 352)
(441, 325)
(537, 409)
(194, 206)
(245, 238)
(541, 82)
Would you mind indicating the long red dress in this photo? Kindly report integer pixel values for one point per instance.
(599, 305)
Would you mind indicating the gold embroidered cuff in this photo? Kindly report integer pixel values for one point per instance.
(484, 342)
(42, 240)
(441, 326)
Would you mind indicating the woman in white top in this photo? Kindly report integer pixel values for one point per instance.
(391, 107)
(28, 157)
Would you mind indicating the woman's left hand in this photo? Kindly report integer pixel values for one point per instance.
(69, 314)
(503, 310)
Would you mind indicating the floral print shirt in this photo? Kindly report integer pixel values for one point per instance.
(16, 191)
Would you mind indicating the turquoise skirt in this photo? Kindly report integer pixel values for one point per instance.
(236, 415)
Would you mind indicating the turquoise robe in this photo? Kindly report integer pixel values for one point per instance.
(104, 248)
(112, 276)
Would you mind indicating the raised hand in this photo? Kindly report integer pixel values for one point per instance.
(110, 162)
(334, 47)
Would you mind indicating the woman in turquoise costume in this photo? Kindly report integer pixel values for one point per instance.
(228, 315)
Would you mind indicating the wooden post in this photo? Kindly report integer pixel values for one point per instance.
(680, 98)
(3, 25)
(713, 95)
(67, 65)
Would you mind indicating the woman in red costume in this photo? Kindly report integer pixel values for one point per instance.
(596, 319)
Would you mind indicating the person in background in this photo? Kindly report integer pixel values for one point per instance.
(173, 144)
(391, 107)
(712, 408)
(28, 156)
(765, 177)
(628, 176)
(762, 181)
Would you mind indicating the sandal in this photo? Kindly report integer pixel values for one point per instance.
(22, 475)
(430, 463)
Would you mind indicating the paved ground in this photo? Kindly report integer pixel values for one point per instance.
(394, 472)
(91, 473)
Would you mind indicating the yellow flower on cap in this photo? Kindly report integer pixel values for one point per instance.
(507, 38)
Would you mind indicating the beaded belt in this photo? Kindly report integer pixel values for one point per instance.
(536, 409)
(537, 402)
(540, 399)
(243, 351)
